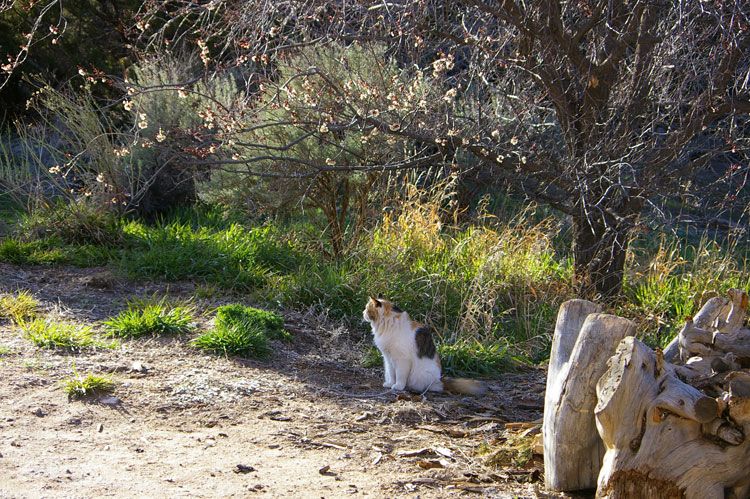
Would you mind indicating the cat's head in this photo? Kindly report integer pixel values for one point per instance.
(377, 308)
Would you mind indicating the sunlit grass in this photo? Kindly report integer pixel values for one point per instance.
(19, 306)
(52, 334)
(243, 331)
(78, 387)
(672, 282)
(150, 317)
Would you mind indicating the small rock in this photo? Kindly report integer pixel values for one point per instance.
(100, 427)
(326, 470)
(138, 367)
(37, 412)
(242, 468)
(273, 446)
(109, 400)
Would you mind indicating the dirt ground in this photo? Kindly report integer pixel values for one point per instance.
(182, 423)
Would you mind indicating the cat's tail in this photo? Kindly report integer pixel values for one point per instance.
(464, 386)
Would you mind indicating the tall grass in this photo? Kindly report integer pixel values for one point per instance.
(668, 284)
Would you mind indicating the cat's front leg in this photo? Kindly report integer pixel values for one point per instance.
(390, 377)
(402, 369)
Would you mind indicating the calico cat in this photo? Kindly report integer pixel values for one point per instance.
(409, 354)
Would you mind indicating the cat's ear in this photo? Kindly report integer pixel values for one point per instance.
(376, 302)
(380, 296)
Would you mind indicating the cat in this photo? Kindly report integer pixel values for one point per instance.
(409, 355)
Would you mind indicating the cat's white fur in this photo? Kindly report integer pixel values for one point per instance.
(395, 336)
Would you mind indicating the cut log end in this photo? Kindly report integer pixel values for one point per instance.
(633, 483)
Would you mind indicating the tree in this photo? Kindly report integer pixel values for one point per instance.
(593, 107)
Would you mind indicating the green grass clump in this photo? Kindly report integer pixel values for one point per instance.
(236, 314)
(470, 357)
(79, 387)
(150, 318)
(243, 340)
(19, 306)
(243, 331)
(46, 333)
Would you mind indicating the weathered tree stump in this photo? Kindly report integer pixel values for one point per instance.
(584, 340)
(657, 431)
(674, 425)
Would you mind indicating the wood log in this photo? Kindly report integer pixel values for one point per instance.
(584, 340)
(655, 429)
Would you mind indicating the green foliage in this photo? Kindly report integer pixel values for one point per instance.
(78, 387)
(47, 333)
(266, 320)
(52, 251)
(19, 306)
(244, 331)
(235, 339)
(150, 317)
(674, 279)
(231, 258)
(469, 357)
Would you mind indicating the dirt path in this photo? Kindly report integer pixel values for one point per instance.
(195, 425)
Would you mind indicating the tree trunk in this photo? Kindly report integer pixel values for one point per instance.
(600, 246)
(584, 340)
(599, 253)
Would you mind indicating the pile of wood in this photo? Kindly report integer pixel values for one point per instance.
(633, 422)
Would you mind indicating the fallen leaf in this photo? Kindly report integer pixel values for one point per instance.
(443, 451)
(428, 465)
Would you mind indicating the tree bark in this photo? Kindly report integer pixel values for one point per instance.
(599, 251)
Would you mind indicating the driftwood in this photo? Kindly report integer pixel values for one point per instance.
(673, 425)
(582, 343)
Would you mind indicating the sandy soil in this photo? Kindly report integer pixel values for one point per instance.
(182, 423)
